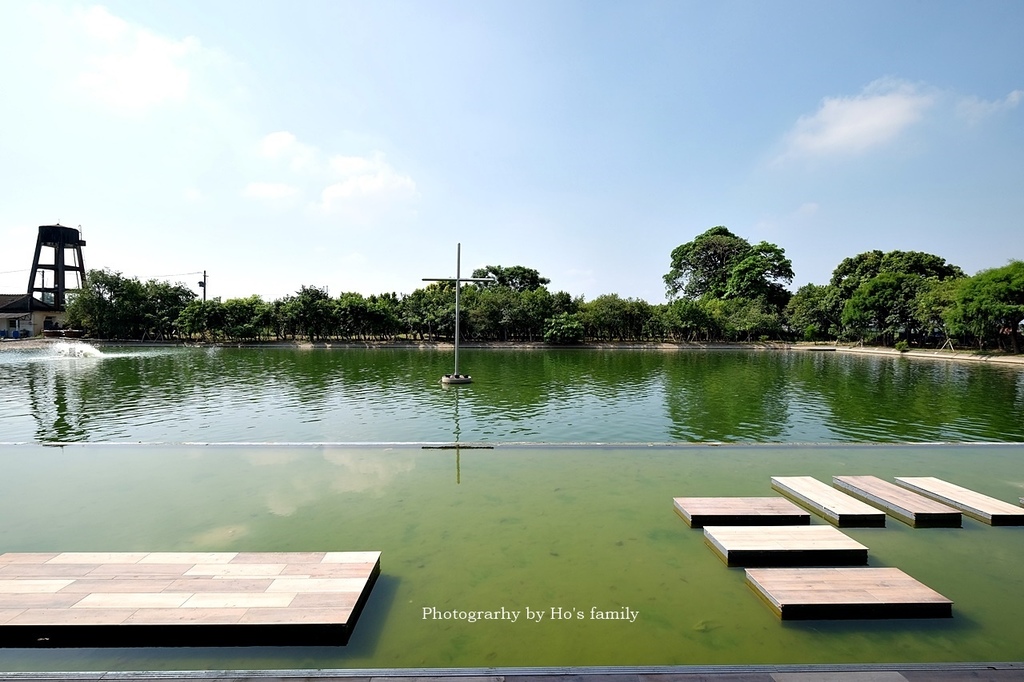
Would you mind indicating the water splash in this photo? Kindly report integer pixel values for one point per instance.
(75, 349)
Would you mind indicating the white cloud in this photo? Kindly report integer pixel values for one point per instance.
(192, 195)
(129, 68)
(975, 110)
(845, 126)
(269, 191)
(363, 177)
(285, 146)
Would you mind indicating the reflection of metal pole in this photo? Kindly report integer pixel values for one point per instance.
(458, 453)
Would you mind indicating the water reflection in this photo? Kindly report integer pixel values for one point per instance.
(285, 395)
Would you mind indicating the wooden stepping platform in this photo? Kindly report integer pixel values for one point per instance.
(909, 507)
(740, 511)
(981, 507)
(784, 546)
(834, 506)
(839, 593)
(119, 599)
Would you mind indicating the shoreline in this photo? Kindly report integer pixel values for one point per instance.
(924, 354)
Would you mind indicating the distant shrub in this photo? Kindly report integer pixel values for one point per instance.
(902, 346)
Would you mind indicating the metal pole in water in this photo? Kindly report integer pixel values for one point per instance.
(455, 377)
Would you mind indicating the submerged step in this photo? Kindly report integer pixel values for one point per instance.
(976, 505)
(909, 507)
(841, 593)
(784, 546)
(834, 506)
(739, 511)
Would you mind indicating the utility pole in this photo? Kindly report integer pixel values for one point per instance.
(202, 285)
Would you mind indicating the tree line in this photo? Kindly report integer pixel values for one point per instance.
(720, 288)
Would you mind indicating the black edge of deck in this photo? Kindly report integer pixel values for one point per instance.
(816, 558)
(797, 517)
(864, 611)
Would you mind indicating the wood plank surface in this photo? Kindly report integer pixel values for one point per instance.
(817, 545)
(976, 505)
(905, 505)
(182, 598)
(746, 511)
(835, 593)
(834, 506)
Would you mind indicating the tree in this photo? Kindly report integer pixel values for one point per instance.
(517, 278)
(810, 312)
(563, 328)
(990, 306)
(758, 276)
(703, 266)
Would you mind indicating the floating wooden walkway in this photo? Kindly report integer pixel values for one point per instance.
(784, 546)
(907, 506)
(183, 599)
(834, 506)
(740, 511)
(981, 507)
(814, 593)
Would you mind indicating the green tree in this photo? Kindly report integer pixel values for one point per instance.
(517, 277)
(990, 306)
(811, 312)
(702, 267)
(563, 328)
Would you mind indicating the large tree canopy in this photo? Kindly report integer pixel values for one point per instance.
(515, 277)
(719, 264)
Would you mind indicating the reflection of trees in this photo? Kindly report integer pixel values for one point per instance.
(896, 399)
(726, 396)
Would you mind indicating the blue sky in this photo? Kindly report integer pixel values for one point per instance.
(350, 145)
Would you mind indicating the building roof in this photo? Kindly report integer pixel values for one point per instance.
(20, 303)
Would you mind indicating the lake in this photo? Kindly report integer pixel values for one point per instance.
(549, 396)
(335, 460)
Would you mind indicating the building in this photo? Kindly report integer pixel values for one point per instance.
(58, 254)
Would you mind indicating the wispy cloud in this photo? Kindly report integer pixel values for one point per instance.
(356, 187)
(975, 110)
(852, 125)
(128, 68)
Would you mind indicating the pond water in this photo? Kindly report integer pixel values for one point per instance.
(516, 527)
(286, 395)
(335, 461)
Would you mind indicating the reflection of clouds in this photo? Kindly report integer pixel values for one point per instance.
(302, 478)
(220, 537)
(367, 471)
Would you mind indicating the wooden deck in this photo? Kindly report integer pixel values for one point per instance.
(740, 511)
(839, 593)
(980, 507)
(907, 506)
(784, 546)
(182, 599)
(834, 506)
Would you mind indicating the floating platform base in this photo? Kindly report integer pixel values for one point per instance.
(456, 379)
(843, 593)
(183, 599)
(740, 511)
(980, 507)
(909, 507)
(785, 546)
(834, 506)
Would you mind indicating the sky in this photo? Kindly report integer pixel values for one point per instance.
(351, 145)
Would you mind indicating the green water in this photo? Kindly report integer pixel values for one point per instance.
(515, 527)
(537, 396)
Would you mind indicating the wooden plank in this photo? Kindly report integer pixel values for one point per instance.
(739, 511)
(909, 507)
(834, 506)
(976, 505)
(818, 545)
(101, 599)
(840, 593)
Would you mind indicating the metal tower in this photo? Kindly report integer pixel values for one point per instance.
(51, 289)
